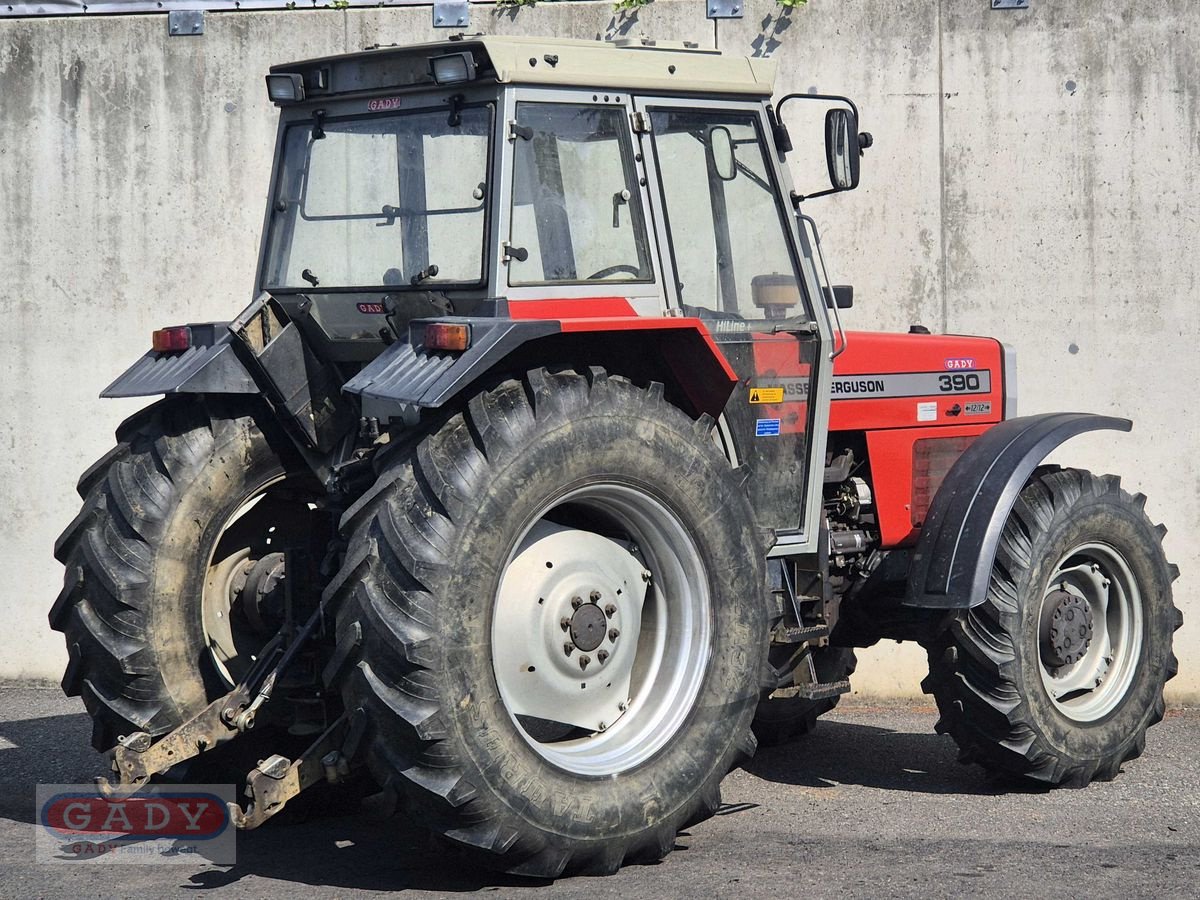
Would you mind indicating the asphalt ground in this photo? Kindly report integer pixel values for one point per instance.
(871, 804)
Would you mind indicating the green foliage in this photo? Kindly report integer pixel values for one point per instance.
(626, 5)
(515, 4)
(791, 4)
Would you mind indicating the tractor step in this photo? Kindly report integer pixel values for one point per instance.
(823, 691)
(790, 634)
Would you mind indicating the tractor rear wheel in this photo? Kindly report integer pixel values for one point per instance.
(173, 576)
(548, 612)
(1060, 671)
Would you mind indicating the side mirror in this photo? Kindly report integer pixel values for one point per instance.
(720, 144)
(842, 149)
(840, 296)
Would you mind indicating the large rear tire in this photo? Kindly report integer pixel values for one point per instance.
(1060, 671)
(192, 490)
(551, 611)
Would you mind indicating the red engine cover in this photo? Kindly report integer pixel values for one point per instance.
(901, 388)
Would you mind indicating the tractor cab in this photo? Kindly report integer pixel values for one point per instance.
(492, 178)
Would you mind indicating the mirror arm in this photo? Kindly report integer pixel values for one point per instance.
(835, 97)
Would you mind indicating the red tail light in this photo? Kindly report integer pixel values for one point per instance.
(932, 459)
(167, 340)
(447, 336)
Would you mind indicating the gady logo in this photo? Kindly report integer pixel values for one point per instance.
(158, 823)
(961, 362)
(382, 104)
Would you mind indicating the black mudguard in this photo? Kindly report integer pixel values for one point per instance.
(209, 366)
(953, 559)
(409, 376)
(260, 352)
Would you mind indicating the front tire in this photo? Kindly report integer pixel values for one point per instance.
(530, 695)
(1060, 671)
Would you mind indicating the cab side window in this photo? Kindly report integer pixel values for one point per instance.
(728, 233)
(576, 209)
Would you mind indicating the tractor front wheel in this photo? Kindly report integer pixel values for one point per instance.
(549, 614)
(1060, 671)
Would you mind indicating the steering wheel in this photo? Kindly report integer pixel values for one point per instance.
(613, 270)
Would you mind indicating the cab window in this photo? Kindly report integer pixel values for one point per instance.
(576, 208)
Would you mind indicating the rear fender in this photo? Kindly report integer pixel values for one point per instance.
(209, 366)
(954, 555)
(409, 377)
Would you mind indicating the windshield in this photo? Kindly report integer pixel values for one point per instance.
(381, 202)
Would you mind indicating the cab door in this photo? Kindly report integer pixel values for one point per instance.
(734, 259)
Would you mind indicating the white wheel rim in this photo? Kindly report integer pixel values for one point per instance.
(619, 712)
(231, 648)
(1092, 687)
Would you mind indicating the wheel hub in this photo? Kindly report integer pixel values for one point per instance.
(261, 592)
(1071, 629)
(589, 627)
(567, 621)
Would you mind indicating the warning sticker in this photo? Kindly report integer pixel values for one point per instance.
(766, 395)
(766, 428)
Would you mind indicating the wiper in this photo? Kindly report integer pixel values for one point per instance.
(429, 271)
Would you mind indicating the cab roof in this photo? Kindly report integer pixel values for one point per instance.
(626, 65)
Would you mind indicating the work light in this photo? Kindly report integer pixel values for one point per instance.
(285, 88)
(452, 68)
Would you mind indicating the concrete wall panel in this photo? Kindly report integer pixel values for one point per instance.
(1030, 179)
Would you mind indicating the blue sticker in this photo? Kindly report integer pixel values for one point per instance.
(766, 428)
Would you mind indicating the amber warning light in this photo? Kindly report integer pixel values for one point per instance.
(166, 340)
(447, 336)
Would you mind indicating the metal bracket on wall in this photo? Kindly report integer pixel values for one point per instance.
(185, 22)
(725, 9)
(450, 13)
(1010, 4)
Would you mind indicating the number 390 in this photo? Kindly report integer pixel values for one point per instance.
(959, 382)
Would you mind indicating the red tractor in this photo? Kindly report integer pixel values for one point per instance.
(540, 477)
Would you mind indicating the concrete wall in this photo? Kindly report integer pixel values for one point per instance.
(1032, 178)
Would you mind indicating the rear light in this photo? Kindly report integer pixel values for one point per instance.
(446, 336)
(932, 459)
(167, 340)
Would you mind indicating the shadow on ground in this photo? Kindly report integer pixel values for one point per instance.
(836, 753)
(327, 847)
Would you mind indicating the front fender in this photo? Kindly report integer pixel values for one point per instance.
(953, 558)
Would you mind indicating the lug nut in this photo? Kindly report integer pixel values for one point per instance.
(602, 655)
(576, 602)
(603, 726)
(609, 610)
(622, 707)
(565, 623)
(594, 596)
(568, 647)
(584, 660)
(613, 634)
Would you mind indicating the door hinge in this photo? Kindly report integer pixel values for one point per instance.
(519, 131)
(639, 122)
